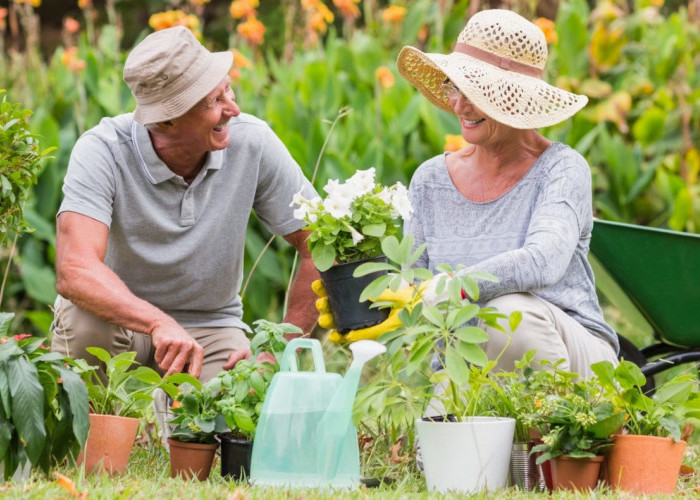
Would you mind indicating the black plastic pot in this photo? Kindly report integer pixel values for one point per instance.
(344, 292)
(235, 457)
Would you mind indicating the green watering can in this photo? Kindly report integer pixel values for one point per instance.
(305, 436)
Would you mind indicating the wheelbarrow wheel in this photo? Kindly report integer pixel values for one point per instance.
(631, 352)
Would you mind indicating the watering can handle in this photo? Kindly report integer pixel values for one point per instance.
(289, 358)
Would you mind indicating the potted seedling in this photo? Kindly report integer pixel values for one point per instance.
(117, 403)
(646, 458)
(240, 393)
(43, 406)
(465, 446)
(346, 230)
(576, 422)
(197, 421)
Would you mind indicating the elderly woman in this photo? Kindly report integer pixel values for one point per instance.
(512, 202)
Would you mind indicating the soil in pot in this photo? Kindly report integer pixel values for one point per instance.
(569, 473)
(644, 464)
(109, 443)
(344, 292)
(188, 460)
(235, 457)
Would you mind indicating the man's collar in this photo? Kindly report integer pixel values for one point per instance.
(155, 168)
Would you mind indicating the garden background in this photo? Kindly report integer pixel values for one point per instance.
(301, 65)
(323, 75)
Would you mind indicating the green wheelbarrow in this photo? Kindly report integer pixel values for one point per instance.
(659, 271)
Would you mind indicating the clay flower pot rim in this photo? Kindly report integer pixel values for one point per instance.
(647, 437)
(192, 444)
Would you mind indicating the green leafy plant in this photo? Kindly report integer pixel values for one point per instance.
(446, 332)
(577, 419)
(271, 337)
(664, 414)
(43, 404)
(125, 392)
(197, 418)
(352, 221)
(241, 393)
(20, 162)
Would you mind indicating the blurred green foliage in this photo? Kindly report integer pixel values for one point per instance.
(637, 62)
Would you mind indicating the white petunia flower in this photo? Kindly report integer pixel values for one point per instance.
(356, 235)
(385, 196)
(297, 199)
(399, 199)
(338, 205)
(362, 182)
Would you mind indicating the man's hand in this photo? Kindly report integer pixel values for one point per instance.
(401, 299)
(175, 349)
(241, 354)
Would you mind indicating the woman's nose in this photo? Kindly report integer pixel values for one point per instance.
(461, 104)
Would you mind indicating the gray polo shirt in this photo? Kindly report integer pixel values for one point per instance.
(533, 238)
(179, 246)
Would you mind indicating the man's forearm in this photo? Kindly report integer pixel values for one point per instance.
(302, 301)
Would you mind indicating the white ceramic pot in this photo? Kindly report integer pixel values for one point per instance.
(469, 456)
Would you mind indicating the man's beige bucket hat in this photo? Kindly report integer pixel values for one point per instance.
(170, 71)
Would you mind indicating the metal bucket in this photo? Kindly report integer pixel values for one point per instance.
(524, 472)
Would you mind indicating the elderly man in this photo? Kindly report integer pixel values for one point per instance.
(151, 232)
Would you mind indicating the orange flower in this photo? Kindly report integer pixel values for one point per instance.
(252, 30)
(71, 25)
(454, 142)
(170, 18)
(423, 33)
(84, 3)
(309, 4)
(348, 8)
(67, 484)
(3, 15)
(199, 3)
(243, 8)
(70, 60)
(393, 14)
(240, 60)
(384, 77)
(547, 27)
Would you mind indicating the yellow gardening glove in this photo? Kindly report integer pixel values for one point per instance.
(402, 298)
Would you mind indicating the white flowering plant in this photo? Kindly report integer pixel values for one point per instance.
(577, 420)
(351, 222)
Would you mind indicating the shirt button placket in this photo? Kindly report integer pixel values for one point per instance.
(187, 209)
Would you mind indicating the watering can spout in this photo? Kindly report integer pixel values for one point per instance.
(338, 415)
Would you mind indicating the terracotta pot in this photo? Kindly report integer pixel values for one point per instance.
(644, 464)
(188, 460)
(109, 443)
(569, 473)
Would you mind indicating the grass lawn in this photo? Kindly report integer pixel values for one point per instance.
(148, 477)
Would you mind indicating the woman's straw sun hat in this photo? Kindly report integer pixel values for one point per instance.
(497, 63)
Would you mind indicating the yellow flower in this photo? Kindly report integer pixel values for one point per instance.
(393, 14)
(348, 8)
(252, 30)
(384, 77)
(84, 3)
(199, 3)
(547, 27)
(243, 8)
(33, 3)
(454, 142)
